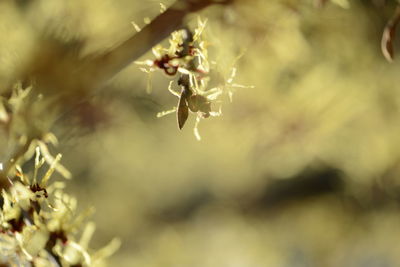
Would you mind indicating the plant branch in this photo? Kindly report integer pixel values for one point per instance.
(105, 66)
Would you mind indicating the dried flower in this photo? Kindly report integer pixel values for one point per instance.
(39, 225)
(187, 58)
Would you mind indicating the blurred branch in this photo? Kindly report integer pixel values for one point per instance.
(107, 65)
(311, 182)
(57, 69)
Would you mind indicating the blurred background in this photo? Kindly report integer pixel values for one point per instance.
(301, 170)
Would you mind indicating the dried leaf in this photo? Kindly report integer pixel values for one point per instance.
(389, 35)
(183, 110)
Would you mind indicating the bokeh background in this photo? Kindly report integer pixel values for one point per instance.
(301, 170)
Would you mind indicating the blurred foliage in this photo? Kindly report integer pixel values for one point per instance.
(301, 170)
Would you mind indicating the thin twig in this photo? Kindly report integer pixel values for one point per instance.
(104, 67)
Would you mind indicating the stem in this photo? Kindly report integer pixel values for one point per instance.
(105, 66)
